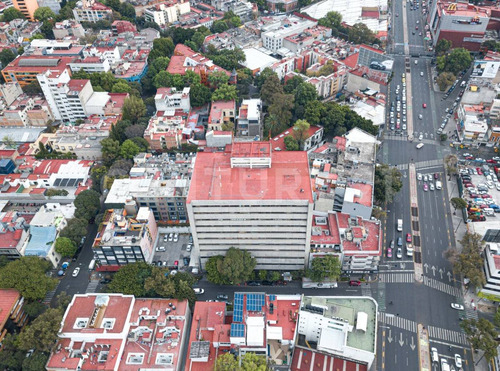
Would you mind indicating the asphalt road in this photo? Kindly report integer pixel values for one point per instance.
(405, 302)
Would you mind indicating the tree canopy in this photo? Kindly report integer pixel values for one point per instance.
(75, 230)
(12, 13)
(133, 108)
(291, 143)
(469, 261)
(33, 283)
(225, 92)
(482, 335)
(249, 362)
(387, 183)
(325, 267)
(458, 203)
(42, 333)
(454, 61)
(87, 204)
(65, 247)
(235, 267)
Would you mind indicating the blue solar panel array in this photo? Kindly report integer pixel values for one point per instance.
(237, 330)
(238, 308)
(255, 302)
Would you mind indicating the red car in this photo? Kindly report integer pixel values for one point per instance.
(408, 237)
(354, 283)
(483, 206)
(473, 195)
(485, 196)
(424, 105)
(469, 158)
(479, 171)
(491, 161)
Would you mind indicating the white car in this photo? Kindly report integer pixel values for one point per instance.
(399, 253)
(426, 178)
(431, 186)
(419, 176)
(457, 306)
(189, 247)
(75, 272)
(458, 360)
(420, 116)
(421, 74)
(198, 291)
(176, 237)
(421, 136)
(404, 126)
(160, 248)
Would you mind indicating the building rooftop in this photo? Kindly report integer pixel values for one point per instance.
(38, 63)
(286, 179)
(41, 240)
(8, 300)
(278, 142)
(305, 358)
(347, 309)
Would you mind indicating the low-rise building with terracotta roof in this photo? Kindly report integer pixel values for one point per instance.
(186, 59)
(221, 112)
(121, 332)
(12, 315)
(13, 234)
(312, 139)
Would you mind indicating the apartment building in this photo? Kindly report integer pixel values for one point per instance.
(221, 112)
(274, 35)
(24, 69)
(68, 27)
(167, 12)
(249, 118)
(171, 99)
(166, 198)
(121, 332)
(255, 199)
(8, 94)
(91, 11)
(125, 236)
(27, 7)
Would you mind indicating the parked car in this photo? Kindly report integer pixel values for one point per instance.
(253, 283)
(354, 283)
(76, 271)
(426, 187)
(222, 297)
(198, 291)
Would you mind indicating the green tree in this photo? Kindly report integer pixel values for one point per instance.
(458, 203)
(443, 137)
(387, 183)
(33, 283)
(271, 87)
(496, 319)
(379, 213)
(34, 308)
(127, 10)
(275, 276)
(458, 60)
(218, 78)
(44, 14)
(12, 13)
(135, 131)
(291, 84)
(110, 150)
(35, 362)
(491, 45)
(235, 267)
(41, 335)
(75, 230)
(249, 362)
(281, 107)
(11, 357)
(219, 26)
(162, 47)
(130, 280)
(482, 335)
(212, 268)
(87, 204)
(469, 261)
(333, 20)
(33, 88)
(163, 79)
(225, 92)
(451, 162)
(6, 56)
(291, 144)
(121, 87)
(361, 34)
(444, 80)
(273, 126)
(262, 275)
(133, 109)
(300, 131)
(65, 247)
(9, 142)
(191, 77)
(325, 267)
(264, 76)
(129, 149)
(314, 112)
(443, 46)
(226, 362)
(158, 283)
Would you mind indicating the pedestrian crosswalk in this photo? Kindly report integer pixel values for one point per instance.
(48, 297)
(471, 313)
(397, 321)
(447, 335)
(422, 164)
(441, 286)
(92, 287)
(396, 277)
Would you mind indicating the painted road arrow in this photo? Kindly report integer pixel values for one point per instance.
(433, 270)
(449, 276)
(441, 272)
(389, 338)
(426, 266)
(401, 341)
(412, 345)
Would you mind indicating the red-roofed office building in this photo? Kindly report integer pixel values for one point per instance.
(356, 242)
(24, 69)
(254, 191)
(11, 312)
(120, 332)
(265, 324)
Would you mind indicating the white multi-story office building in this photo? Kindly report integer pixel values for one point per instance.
(66, 97)
(167, 12)
(273, 38)
(253, 199)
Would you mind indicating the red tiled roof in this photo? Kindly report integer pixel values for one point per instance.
(61, 65)
(352, 60)
(10, 239)
(309, 359)
(372, 49)
(366, 193)
(8, 299)
(278, 142)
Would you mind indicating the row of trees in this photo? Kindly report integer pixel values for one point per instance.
(450, 62)
(469, 261)
(233, 268)
(387, 183)
(143, 280)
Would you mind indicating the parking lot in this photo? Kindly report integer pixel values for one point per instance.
(168, 251)
(481, 187)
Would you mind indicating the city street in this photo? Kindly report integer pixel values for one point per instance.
(421, 294)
